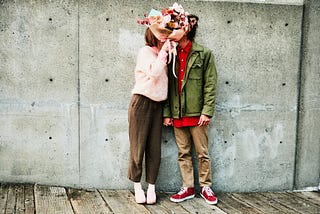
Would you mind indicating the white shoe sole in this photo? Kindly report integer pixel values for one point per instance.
(180, 200)
(209, 202)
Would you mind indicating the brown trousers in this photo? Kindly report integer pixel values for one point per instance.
(145, 126)
(184, 138)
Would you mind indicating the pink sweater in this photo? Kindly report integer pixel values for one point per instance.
(151, 70)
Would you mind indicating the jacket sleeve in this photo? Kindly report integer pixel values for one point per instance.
(210, 84)
(167, 109)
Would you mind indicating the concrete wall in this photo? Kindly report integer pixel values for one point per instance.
(308, 144)
(66, 74)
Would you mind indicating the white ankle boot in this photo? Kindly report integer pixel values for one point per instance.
(139, 194)
(151, 194)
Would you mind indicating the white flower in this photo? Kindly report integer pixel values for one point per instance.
(178, 7)
(167, 18)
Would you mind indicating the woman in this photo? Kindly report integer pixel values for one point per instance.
(145, 115)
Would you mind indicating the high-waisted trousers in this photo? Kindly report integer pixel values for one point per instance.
(145, 126)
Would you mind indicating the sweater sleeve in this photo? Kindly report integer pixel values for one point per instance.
(150, 63)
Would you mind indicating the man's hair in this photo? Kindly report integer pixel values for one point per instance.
(193, 21)
(150, 39)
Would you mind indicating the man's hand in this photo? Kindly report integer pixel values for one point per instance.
(204, 120)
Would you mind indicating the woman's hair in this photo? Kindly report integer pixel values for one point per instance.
(150, 38)
(193, 21)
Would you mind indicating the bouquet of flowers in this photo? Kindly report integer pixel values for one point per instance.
(169, 23)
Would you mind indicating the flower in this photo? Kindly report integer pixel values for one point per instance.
(169, 24)
(169, 19)
(175, 17)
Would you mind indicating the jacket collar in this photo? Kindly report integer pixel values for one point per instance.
(196, 47)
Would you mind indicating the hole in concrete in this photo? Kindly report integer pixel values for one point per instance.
(50, 19)
(107, 80)
(107, 19)
(227, 82)
(286, 24)
(284, 84)
(229, 21)
(107, 139)
(225, 142)
(280, 141)
(51, 80)
(50, 138)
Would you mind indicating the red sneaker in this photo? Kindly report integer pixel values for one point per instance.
(208, 195)
(184, 194)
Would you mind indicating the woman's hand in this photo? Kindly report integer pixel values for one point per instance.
(167, 121)
(168, 45)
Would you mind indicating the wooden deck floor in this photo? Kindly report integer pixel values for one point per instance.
(48, 199)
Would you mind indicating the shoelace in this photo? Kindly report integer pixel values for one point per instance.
(208, 191)
(182, 191)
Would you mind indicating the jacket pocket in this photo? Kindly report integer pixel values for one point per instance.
(196, 71)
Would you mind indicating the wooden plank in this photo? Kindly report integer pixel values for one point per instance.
(3, 197)
(19, 207)
(122, 201)
(314, 197)
(223, 205)
(173, 207)
(15, 199)
(199, 205)
(159, 206)
(230, 204)
(11, 200)
(260, 202)
(214, 208)
(29, 199)
(298, 204)
(162, 204)
(87, 201)
(51, 200)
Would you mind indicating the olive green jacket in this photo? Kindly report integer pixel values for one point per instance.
(198, 92)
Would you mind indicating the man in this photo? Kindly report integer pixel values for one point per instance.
(190, 106)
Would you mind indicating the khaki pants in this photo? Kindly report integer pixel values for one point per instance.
(184, 138)
(145, 126)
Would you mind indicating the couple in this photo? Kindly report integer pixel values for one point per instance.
(180, 95)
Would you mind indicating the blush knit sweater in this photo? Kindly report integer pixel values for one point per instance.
(151, 70)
